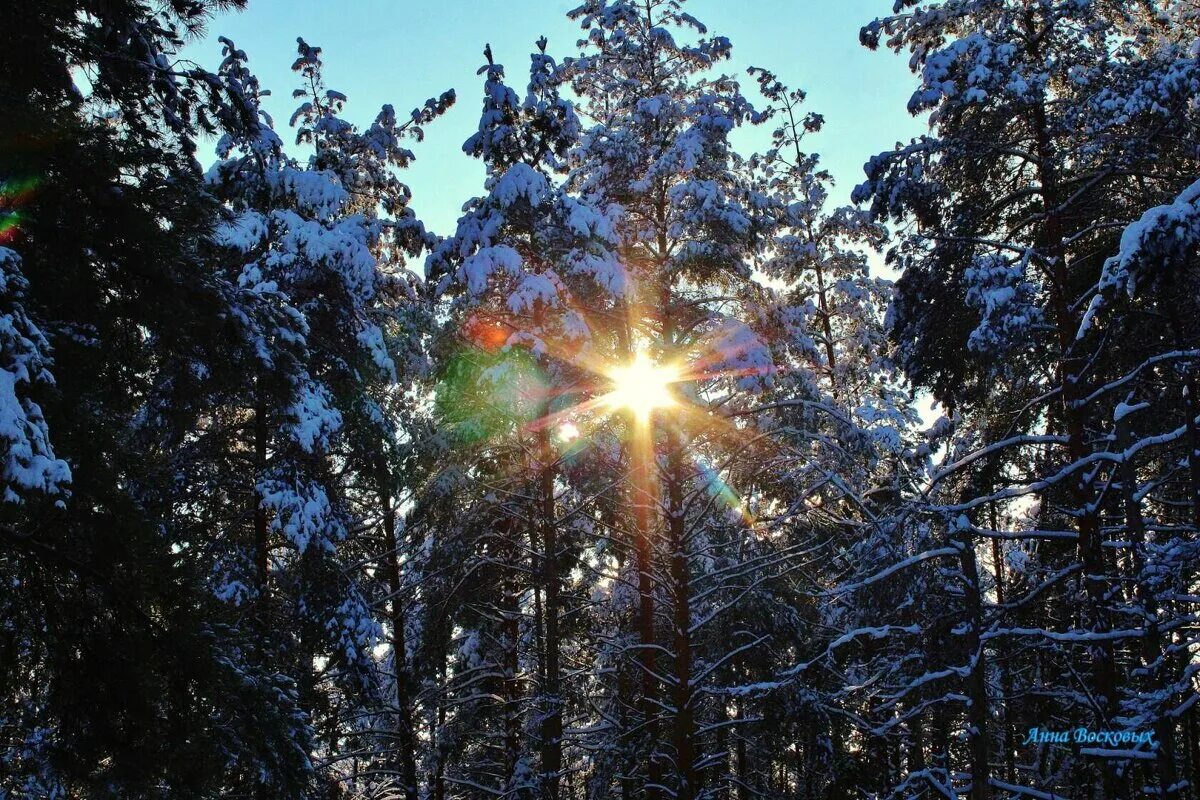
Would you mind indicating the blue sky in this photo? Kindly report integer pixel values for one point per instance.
(402, 52)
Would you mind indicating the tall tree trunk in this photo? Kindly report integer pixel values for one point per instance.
(1193, 736)
(1191, 407)
(1152, 651)
(438, 779)
(261, 542)
(978, 736)
(1008, 736)
(1068, 368)
(551, 744)
(643, 498)
(510, 689)
(625, 756)
(683, 729)
(405, 751)
(260, 514)
(628, 763)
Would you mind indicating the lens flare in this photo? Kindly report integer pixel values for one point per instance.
(642, 386)
(483, 394)
(13, 195)
(10, 224)
(716, 486)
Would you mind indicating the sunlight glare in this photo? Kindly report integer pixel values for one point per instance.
(641, 386)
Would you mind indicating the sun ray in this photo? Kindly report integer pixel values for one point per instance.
(638, 388)
(642, 386)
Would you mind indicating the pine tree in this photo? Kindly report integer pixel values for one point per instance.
(625, 495)
(527, 269)
(317, 251)
(119, 675)
(695, 220)
(1048, 133)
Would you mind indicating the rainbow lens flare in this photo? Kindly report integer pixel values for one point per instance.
(14, 193)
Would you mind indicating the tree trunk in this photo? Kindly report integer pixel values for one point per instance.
(551, 744)
(916, 743)
(438, 779)
(1008, 738)
(977, 713)
(827, 330)
(510, 689)
(1088, 525)
(1191, 407)
(1193, 735)
(260, 513)
(743, 761)
(1152, 651)
(406, 740)
(941, 743)
(643, 452)
(1068, 367)
(683, 730)
(719, 777)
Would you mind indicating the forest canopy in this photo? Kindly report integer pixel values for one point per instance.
(623, 486)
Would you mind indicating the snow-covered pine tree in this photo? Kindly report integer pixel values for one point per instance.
(842, 426)
(379, 383)
(1051, 128)
(689, 228)
(694, 220)
(526, 270)
(1148, 382)
(317, 252)
(118, 675)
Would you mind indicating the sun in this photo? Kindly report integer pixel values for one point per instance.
(641, 386)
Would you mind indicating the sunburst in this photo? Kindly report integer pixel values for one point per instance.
(641, 386)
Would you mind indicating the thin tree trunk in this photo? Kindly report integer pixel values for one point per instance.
(438, 779)
(1009, 739)
(643, 448)
(827, 330)
(260, 513)
(916, 743)
(511, 629)
(628, 765)
(1193, 735)
(1152, 652)
(552, 689)
(406, 749)
(719, 779)
(822, 300)
(977, 714)
(625, 758)
(941, 742)
(683, 730)
(743, 760)
(1191, 407)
